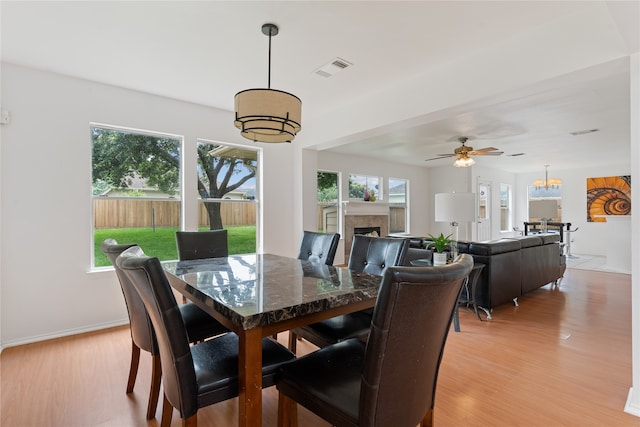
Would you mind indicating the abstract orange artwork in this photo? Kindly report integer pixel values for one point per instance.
(610, 195)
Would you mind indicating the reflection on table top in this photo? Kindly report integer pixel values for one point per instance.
(258, 289)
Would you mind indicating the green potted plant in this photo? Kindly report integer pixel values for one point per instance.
(440, 244)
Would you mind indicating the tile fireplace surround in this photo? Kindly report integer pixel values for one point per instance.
(363, 214)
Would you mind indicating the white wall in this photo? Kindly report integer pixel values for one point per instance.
(46, 288)
(633, 402)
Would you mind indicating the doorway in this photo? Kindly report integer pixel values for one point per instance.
(483, 223)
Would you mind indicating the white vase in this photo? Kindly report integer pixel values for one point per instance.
(439, 258)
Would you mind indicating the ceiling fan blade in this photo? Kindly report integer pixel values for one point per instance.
(441, 156)
(483, 150)
(488, 153)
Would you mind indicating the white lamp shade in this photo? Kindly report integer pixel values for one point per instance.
(455, 207)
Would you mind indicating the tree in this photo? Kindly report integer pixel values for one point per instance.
(327, 187)
(356, 190)
(215, 175)
(121, 157)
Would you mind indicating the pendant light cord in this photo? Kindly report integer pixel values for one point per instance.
(269, 73)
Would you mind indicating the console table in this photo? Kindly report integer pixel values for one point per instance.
(469, 288)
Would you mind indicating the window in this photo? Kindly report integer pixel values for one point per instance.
(228, 196)
(398, 209)
(362, 187)
(505, 207)
(135, 190)
(328, 202)
(545, 203)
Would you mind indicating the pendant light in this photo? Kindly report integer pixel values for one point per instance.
(546, 183)
(268, 115)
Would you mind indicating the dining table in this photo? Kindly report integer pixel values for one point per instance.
(258, 295)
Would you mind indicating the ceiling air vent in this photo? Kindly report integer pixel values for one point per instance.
(332, 67)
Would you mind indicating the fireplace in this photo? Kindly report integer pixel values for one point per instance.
(363, 224)
(369, 231)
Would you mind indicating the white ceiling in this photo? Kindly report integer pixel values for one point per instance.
(518, 76)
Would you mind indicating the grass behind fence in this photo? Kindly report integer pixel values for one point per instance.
(162, 242)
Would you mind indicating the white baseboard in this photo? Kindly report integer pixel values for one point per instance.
(633, 404)
(65, 333)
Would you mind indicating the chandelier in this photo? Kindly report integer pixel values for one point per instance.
(554, 183)
(268, 115)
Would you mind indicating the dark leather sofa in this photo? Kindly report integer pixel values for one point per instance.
(514, 266)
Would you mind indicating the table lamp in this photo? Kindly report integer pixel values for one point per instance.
(455, 208)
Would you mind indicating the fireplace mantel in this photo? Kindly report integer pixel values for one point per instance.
(365, 208)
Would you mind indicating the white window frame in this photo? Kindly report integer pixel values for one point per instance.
(178, 197)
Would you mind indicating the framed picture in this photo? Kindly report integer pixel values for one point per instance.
(610, 195)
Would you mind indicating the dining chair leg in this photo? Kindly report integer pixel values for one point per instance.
(154, 392)
(292, 342)
(287, 411)
(133, 369)
(167, 412)
(192, 421)
(427, 421)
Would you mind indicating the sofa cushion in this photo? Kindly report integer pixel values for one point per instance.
(494, 247)
(529, 241)
(550, 238)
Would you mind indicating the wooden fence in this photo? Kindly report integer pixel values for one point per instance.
(136, 213)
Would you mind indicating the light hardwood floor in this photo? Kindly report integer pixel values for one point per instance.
(562, 358)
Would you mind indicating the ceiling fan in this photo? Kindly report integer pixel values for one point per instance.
(464, 152)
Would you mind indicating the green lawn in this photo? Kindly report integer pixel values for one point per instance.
(162, 242)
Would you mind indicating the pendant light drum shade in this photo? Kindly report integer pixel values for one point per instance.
(268, 115)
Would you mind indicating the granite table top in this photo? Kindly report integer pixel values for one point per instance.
(260, 289)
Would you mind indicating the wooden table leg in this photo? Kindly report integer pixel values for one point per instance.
(250, 378)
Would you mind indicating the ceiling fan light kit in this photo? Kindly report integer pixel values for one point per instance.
(464, 161)
(268, 115)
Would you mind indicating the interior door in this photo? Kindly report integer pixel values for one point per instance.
(483, 224)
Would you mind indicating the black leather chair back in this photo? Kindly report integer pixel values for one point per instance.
(374, 254)
(319, 247)
(399, 388)
(414, 254)
(178, 372)
(202, 244)
(142, 332)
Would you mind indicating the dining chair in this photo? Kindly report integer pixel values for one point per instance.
(391, 379)
(319, 247)
(369, 255)
(193, 376)
(198, 324)
(202, 244)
